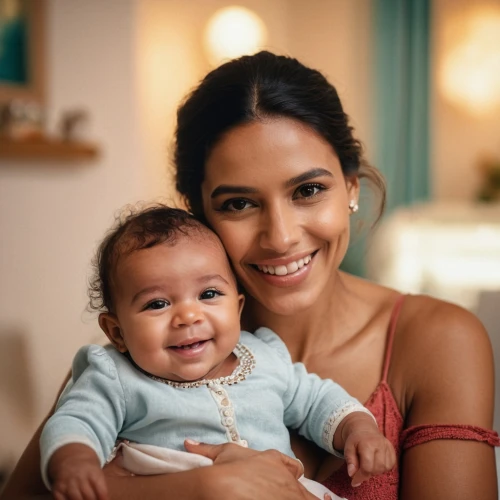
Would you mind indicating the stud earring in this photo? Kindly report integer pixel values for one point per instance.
(353, 206)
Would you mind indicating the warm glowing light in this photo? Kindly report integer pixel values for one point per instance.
(470, 73)
(232, 32)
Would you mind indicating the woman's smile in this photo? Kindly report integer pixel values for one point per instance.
(285, 272)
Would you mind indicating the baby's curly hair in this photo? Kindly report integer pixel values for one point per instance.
(134, 229)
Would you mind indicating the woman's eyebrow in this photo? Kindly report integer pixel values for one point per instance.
(227, 189)
(307, 176)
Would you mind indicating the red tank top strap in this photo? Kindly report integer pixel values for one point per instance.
(390, 335)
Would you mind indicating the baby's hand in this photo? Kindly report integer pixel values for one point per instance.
(76, 474)
(367, 452)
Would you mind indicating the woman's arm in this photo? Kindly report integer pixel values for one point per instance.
(264, 475)
(18, 486)
(449, 369)
(245, 474)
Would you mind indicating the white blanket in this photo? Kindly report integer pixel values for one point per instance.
(146, 460)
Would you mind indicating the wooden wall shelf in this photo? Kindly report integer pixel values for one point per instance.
(46, 149)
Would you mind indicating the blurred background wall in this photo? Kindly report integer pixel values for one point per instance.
(128, 63)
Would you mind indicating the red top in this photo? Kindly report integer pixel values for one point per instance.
(390, 421)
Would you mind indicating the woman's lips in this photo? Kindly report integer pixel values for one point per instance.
(291, 274)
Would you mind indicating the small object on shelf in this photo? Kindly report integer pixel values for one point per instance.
(72, 122)
(20, 119)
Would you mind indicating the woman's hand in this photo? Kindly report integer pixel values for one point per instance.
(228, 452)
(244, 474)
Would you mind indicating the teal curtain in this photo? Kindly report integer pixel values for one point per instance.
(401, 31)
(401, 112)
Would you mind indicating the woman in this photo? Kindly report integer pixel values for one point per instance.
(266, 156)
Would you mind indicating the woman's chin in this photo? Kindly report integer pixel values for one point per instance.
(288, 304)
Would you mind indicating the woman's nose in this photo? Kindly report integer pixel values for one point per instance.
(186, 315)
(280, 229)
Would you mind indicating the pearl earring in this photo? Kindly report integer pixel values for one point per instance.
(353, 206)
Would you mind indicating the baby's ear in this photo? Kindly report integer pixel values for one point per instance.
(111, 327)
(241, 301)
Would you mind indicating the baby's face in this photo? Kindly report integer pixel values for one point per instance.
(178, 309)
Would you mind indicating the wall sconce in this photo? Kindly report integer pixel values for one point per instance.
(470, 71)
(232, 32)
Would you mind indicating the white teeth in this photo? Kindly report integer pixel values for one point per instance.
(280, 270)
(290, 268)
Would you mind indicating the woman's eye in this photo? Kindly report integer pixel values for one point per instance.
(210, 294)
(157, 304)
(235, 205)
(308, 190)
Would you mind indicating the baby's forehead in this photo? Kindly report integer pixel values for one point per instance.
(204, 235)
(211, 243)
(209, 240)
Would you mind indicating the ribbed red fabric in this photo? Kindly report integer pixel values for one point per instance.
(419, 434)
(385, 409)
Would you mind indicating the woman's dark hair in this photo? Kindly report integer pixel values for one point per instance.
(134, 230)
(252, 88)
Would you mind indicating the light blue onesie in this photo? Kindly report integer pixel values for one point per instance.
(109, 399)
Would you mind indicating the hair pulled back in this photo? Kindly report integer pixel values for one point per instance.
(256, 87)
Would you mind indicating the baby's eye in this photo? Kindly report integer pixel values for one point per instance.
(210, 294)
(308, 190)
(235, 205)
(157, 304)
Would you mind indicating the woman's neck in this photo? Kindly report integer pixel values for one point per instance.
(325, 326)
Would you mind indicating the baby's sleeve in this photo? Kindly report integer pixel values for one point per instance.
(313, 406)
(90, 411)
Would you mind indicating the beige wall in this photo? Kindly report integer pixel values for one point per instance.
(459, 138)
(51, 215)
(128, 62)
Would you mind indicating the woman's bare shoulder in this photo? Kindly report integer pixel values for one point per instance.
(444, 355)
(428, 321)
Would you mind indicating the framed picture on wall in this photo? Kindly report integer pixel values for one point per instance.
(22, 50)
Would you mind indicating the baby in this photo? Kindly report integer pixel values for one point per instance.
(179, 367)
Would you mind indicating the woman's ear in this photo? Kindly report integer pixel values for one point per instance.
(111, 327)
(352, 184)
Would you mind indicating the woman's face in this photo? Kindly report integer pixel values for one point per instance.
(275, 194)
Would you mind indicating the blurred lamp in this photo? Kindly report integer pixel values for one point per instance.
(470, 73)
(232, 32)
